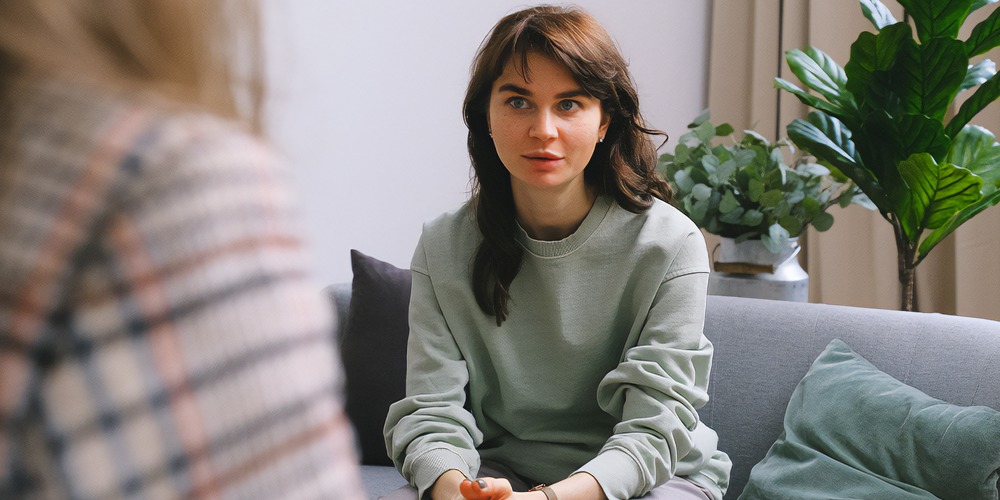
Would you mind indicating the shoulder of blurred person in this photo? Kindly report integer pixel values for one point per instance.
(160, 331)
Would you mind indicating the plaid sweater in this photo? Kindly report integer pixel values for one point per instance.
(159, 334)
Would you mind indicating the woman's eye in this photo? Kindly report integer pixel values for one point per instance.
(517, 102)
(568, 105)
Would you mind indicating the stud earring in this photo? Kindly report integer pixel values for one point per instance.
(600, 140)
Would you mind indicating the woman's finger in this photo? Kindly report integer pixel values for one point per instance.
(486, 488)
(474, 489)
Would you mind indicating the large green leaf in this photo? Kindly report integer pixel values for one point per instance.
(985, 35)
(822, 74)
(937, 192)
(978, 73)
(967, 213)
(934, 18)
(877, 13)
(863, 61)
(869, 70)
(883, 142)
(927, 77)
(829, 140)
(807, 98)
(976, 149)
(984, 95)
(888, 141)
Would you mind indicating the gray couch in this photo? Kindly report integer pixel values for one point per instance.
(763, 348)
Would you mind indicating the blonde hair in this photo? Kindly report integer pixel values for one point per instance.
(204, 53)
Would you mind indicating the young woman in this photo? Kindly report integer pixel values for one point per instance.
(556, 319)
(160, 336)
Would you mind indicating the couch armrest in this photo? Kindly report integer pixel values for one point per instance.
(340, 295)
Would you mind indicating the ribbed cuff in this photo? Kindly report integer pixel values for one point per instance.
(427, 468)
(708, 484)
(617, 472)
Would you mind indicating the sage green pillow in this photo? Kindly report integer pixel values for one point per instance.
(852, 431)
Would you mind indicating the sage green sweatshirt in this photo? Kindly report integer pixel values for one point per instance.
(600, 367)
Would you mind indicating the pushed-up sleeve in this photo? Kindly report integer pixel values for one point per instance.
(430, 431)
(658, 386)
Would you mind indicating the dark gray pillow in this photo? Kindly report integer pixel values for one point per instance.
(373, 346)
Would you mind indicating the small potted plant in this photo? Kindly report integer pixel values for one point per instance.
(747, 194)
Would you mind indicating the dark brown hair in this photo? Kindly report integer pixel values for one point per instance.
(623, 166)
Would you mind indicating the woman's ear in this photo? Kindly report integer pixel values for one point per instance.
(605, 122)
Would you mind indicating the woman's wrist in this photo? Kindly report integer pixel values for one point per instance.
(547, 492)
(577, 485)
(446, 485)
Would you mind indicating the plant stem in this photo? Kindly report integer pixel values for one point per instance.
(907, 280)
(906, 267)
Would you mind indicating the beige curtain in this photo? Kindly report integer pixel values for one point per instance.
(854, 263)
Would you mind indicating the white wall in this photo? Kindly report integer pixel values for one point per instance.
(366, 102)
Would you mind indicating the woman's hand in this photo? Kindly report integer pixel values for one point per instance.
(489, 488)
(486, 488)
(579, 485)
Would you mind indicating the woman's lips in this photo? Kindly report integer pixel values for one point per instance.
(543, 159)
(542, 155)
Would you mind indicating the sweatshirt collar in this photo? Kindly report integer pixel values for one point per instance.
(565, 246)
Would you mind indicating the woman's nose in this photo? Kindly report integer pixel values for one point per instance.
(544, 126)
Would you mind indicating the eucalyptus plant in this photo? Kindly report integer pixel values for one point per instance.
(887, 121)
(746, 190)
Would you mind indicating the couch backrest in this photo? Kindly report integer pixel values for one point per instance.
(763, 348)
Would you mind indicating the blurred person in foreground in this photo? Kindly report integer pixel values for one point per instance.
(160, 334)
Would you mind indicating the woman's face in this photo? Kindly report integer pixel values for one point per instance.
(545, 130)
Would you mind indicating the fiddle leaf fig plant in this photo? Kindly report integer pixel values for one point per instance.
(883, 121)
(746, 190)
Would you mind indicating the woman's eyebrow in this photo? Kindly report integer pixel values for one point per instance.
(573, 93)
(509, 87)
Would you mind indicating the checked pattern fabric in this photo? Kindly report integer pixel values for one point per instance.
(160, 335)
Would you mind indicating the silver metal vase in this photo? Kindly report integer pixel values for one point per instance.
(749, 269)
